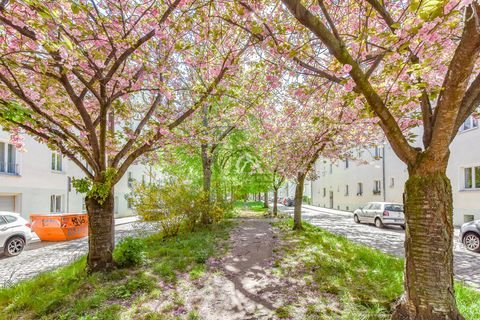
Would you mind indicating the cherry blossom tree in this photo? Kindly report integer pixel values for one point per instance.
(411, 63)
(309, 121)
(106, 82)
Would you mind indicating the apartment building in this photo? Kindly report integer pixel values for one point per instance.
(377, 174)
(39, 181)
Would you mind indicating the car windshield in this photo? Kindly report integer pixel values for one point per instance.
(394, 207)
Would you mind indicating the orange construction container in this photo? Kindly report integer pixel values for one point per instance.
(60, 226)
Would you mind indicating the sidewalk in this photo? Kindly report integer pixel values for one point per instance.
(333, 211)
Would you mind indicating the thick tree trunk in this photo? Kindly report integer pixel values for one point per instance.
(429, 292)
(275, 200)
(100, 233)
(297, 213)
(265, 200)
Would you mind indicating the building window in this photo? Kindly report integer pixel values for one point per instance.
(57, 162)
(55, 203)
(471, 178)
(130, 180)
(377, 152)
(470, 123)
(392, 182)
(129, 203)
(346, 163)
(8, 158)
(377, 187)
(359, 189)
(331, 168)
(324, 192)
(346, 190)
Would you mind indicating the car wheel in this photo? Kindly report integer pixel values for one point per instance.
(14, 246)
(472, 242)
(356, 219)
(378, 223)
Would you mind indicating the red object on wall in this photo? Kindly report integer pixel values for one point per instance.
(60, 226)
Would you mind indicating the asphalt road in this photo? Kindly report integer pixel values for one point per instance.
(389, 240)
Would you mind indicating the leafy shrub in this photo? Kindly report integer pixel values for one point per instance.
(307, 200)
(129, 252)
(174, 205)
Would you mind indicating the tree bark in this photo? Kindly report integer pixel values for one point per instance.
(207, 182)
(265, 200)
(275, 200)
(297, 213)
(429, 291)
(100, 233)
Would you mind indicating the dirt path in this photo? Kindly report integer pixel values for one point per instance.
(243, 287)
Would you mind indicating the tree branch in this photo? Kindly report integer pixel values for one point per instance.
(338, 49)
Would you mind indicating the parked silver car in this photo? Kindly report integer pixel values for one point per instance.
(15, 233)
(381, 214)
(470, 235)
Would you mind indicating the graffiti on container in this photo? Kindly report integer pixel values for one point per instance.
(78, 221)
(50, 223)
(75, 231)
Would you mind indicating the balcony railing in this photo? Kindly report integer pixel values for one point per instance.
(11, 168)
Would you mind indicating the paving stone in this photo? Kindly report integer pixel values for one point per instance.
(43, 256)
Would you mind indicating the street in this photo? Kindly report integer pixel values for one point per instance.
(389, 240)
(39, 257)
(43, 256)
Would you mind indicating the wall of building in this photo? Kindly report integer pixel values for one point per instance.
(35, 182)
(370, 166)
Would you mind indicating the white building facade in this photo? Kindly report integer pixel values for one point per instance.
(378, 175)
(39, 181)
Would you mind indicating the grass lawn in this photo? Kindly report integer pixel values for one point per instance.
(69, 293)
(352, 281)
(256, 206)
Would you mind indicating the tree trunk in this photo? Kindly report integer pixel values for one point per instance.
(100, 233)
(265, 200)
(429, 292)
(297, 213)
(207, 170)
(207, 182)
(275, 200)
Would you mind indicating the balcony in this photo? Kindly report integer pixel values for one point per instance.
(9, 168)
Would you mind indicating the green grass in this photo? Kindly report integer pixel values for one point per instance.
(69, 293)
(256, 206)
(364, 281)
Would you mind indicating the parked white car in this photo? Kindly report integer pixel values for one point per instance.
(381, 214)
(15, 233)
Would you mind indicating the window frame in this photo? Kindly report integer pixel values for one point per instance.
(359, 188)
(475, 185)
(377, 187)
(9, 158)
(56, 200)
(473, 124)
(56, 164)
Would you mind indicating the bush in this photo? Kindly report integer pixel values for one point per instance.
(174, 205)
(129, 252)
(307, 200)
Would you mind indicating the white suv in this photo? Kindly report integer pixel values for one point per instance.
(15, 233)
